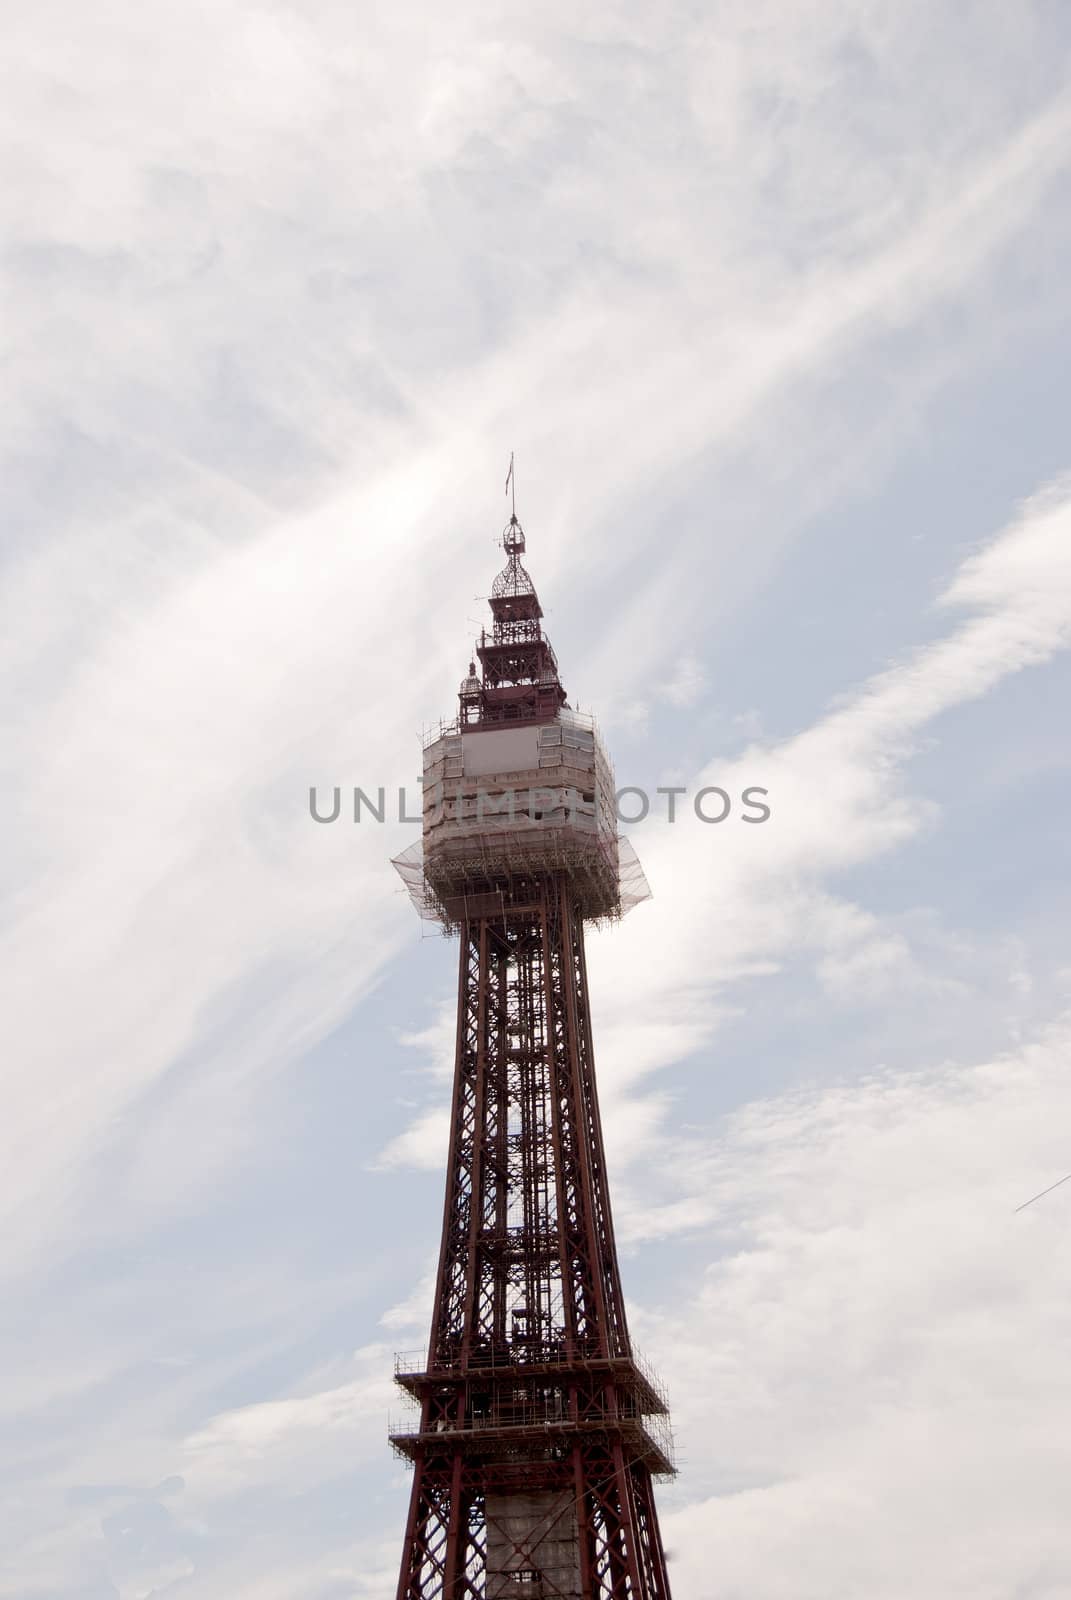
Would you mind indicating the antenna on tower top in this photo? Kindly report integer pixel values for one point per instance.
(511, 483)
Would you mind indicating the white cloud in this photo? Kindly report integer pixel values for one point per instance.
(423, 1144)
(415, 1310)
(840, 796)
(300, 1438)
(868, 1378)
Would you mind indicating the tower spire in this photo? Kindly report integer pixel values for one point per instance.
(520, 681)
(511, 484)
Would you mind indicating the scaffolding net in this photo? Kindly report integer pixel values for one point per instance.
(606, 877)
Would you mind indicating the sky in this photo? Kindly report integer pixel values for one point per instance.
(771, 301)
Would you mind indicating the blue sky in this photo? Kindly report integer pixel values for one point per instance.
(771, 301)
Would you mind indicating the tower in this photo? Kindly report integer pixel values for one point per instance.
(539, 1430)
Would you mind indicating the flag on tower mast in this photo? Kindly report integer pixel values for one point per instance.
(510, 479)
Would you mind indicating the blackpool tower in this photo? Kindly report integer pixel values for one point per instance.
(536, 1431)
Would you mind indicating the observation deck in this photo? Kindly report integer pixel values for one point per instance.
(503, 804)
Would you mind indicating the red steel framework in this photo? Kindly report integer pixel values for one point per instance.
(539, 1430)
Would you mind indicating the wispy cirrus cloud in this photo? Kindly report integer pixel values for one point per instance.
(201, 659)
(841, 795)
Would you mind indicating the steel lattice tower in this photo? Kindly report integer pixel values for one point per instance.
(539, 1431)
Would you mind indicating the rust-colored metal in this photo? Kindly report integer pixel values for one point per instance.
(536, 1431)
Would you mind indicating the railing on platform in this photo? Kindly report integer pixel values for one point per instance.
(549, 1416)
(449, 727)
(533, 1360)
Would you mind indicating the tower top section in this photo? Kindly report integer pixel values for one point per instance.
(519, 786)
(519, 670)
